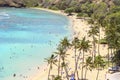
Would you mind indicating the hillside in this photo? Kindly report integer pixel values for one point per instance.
(11, 3)
(51, 3)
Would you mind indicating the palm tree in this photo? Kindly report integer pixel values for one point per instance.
(85, 47)
(108, 56)
(51, 60)
(88, 65)
(99, 16)
(64, 65)
(65, 43)
(98, 63)
(78, 57)
(75, 43)
(58, 78)
(93, 32)
(61, 51)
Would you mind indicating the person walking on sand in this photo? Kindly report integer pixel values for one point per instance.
(106, 76)
(72, 76)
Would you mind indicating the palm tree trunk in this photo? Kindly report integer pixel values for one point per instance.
(59, 66)
(66, 73)
(49, 72)
(82, 66)
(82, 72)
(75, 71)
(97, 74)
(94, 48)
(77, 65)
(86, 72)
(78, 58)
(65, 68)
(99, 43)
(94, 51)
(112, 55)
(77, 75)
(108, 57)
(61, 72)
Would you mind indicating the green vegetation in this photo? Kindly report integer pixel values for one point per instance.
(98, 63)
(69, 10)
(88, 65)
(103, 41)
(53, 8)
(82, 46)
(81, 15)
(102, 15)
(51, 60)
(31, 3)
(116, 58)
(117, 2)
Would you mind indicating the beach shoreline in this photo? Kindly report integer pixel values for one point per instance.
(80, 27)
(74, 21)
(73, 25)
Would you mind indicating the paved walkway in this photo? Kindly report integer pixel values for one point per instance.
(114, 76)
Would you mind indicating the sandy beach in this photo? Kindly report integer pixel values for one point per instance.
(80, 28)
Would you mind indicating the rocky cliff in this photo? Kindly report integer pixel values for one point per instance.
(12, 3)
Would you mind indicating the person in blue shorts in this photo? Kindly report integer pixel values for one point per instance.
(72, 76)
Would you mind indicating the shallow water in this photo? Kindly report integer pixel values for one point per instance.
(27, 36)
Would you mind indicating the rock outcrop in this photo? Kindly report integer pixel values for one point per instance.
(12, 3)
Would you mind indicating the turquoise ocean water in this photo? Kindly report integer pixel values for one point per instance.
(27, 36)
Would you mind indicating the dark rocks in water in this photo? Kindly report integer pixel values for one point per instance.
(14, 75)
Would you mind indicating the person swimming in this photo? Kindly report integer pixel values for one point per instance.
(14, 75)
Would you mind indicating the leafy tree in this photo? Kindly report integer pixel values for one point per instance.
(58, 78)
(100, 11)
(80, 15)
(69, 10)
(31, 3)
(116, 2)
(114, 9)
(53, 8)
(62, 5)
(113, 30)
(116, 58)
(77, 9)
(87, 8)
